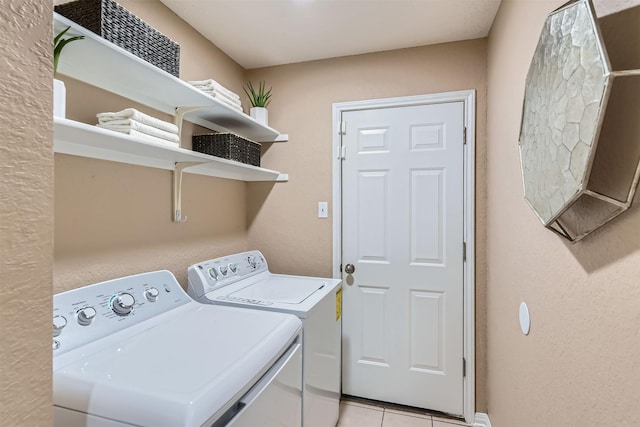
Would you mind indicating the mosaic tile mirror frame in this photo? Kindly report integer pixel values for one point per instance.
(580, 130)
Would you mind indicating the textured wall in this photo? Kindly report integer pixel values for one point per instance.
(579, 366)
(283, 218)
(114, 219)
(26, 213)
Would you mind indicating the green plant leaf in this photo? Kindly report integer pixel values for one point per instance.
(57, 38)
(258, 98)
(58, 44)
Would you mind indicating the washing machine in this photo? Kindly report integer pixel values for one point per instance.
(244, 280)
(137, 351)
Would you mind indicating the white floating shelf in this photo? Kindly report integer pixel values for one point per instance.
(100, 63)
(80, 139)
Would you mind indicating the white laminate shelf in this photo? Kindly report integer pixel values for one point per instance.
(100, 63)
(80, 139)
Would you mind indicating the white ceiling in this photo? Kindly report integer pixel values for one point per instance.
(260, 33)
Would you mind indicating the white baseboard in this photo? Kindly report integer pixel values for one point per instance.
(482, 420)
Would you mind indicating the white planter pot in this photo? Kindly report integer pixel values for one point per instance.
(59, 98)
(260, 114)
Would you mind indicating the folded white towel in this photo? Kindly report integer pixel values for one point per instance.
(132, 113)
(223, 100)
(219, 94)
(212, 84)
(153, 138)
(129, 124)
(228, 103)
(227, 92)
(221, 97)
(146, 137)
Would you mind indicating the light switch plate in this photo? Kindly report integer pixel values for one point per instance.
(323, 210)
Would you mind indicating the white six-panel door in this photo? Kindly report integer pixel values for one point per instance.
(402, 230)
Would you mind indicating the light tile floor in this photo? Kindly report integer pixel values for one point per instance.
(360, 414)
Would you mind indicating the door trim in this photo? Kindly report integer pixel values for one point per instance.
(469, 101)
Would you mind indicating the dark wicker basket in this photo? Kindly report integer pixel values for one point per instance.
(228, 146)
(116, 24)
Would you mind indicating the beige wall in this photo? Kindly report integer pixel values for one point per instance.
(579, 365)
(26, 213)
(114, 219)
(285, 225)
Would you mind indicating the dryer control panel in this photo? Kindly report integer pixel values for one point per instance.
(216, 273)
(89, 313)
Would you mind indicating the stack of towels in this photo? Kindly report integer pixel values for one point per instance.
(134, 123)
(219, 92)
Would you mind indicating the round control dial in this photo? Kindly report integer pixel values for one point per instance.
(122, 304)
(213, 273)
(233, 268)
(151, 294)
(59, 322)
(86, 315)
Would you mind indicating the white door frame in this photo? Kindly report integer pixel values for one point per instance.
(468, 98)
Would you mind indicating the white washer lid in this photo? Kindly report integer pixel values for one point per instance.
(179, 372)
(281, 289)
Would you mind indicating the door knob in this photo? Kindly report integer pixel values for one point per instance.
(349, 269)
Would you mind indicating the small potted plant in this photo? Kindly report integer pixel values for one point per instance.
(59, 90)
(259, 99)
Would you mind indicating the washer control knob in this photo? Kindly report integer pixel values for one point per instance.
(251, 260)
(223, 270)
(213, 273)
(122, 304)
(233, 268)
(151, 294)
(59, 322)
(86, 315)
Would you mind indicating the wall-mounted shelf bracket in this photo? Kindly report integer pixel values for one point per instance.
(179, 116)
(177, 189)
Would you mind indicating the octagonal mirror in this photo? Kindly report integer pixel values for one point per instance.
(580, 131)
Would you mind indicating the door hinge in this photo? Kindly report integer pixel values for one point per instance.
(464, 367)
(342, 128)
(341, 152)
(464, 251)
(464, 136)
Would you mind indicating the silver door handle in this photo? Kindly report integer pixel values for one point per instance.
(349, 269)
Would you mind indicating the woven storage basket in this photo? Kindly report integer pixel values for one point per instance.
(228, 146)
(116, 24)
